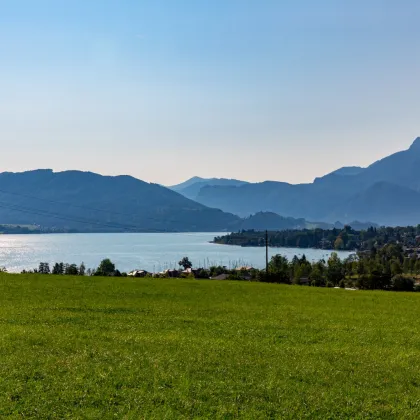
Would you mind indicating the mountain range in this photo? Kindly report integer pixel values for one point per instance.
(387, 192)
(88, 202)
(85, 201)
(191, 188)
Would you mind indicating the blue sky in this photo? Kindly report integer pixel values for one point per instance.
(164, 90)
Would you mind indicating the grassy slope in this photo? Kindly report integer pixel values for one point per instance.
(100, 348)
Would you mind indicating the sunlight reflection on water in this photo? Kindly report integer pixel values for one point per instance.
(149, 251)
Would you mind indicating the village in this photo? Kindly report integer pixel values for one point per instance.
(214, 273)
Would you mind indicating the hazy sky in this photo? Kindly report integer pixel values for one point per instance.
(164, 89)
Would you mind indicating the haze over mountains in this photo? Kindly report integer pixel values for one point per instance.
(191, 188)
(386, 192)
(88, 202)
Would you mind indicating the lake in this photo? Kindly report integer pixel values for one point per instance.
(149, 251)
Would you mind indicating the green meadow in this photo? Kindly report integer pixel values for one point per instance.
(87, 347)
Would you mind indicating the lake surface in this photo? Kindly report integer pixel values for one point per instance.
(149, 251)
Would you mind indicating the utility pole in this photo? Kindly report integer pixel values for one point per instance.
(266, 254)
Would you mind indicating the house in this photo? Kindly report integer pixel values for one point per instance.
(170, 273)
(192, 271)
(138, 273)
(245, 268)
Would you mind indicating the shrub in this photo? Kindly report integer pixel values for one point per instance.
(350, 283)
(401, 283)
(342, 283)
(296, 281)
(362, 282)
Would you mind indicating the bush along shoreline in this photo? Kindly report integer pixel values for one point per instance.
(387, 268)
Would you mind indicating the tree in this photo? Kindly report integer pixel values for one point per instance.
(297, 275)
(217, 270)
(413, 261)
(202, 274)
(106, 268)
(278, 269)
(44, 268)
(185, 263)
(316, 277)
(82, 269)
(407, 265)
(400, 283)
(334, 269)
(58, 269)
(339, 243)
(361, 268)
(71, 270)
(396, 268)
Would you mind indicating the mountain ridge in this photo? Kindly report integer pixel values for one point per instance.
(387, 191)
(73, 199)
(325, 197)
(88, 202)
(191, 187)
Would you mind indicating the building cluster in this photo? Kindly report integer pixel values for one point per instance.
(244, 273)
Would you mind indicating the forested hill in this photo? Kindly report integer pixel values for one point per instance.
(339, 239)
(74, 201)
(84, 201)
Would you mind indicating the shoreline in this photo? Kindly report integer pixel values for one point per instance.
(287, 247)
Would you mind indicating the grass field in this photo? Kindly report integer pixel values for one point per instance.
(133, 348)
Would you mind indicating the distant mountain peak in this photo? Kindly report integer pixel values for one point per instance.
(195, 179)
(192, 187)
(348, 171)
(416, 144)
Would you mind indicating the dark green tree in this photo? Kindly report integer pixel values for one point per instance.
(401, 283)
(44, 268)
(106, 268)
(82, 269)
(58, 269)
(278, 269)
(396, 267)
(185, 263)
(334, 269)
(71, 270)
(316, 276)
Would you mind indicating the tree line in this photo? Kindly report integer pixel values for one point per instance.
(332, 239)
(386, 268)
(105, 269)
